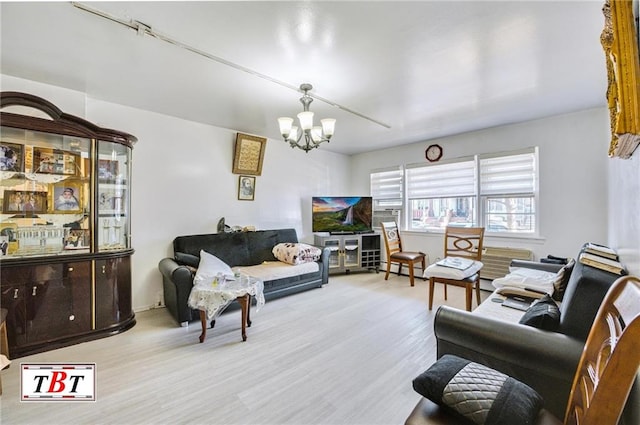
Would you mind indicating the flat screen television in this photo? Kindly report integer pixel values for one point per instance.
(342, 214)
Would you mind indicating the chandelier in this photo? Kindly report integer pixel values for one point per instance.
(310, 137)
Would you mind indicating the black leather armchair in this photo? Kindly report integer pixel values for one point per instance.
(544, 360)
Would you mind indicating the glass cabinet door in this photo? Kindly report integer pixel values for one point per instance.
(45, 191)
(113, 172)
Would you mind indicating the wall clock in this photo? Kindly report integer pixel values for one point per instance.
(433, 153)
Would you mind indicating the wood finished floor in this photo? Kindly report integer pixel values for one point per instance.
(343, 354)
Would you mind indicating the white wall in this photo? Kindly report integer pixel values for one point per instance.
(624, 210)
(573, 178)
(182, 181)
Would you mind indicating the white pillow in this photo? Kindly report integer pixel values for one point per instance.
(538, 280)
(436, 270)
(209, 267)
(296, 253)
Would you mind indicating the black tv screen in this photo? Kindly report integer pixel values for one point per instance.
(342, 214)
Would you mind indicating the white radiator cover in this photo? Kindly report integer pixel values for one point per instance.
(496, 260)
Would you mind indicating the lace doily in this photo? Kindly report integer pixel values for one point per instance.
(214, 299)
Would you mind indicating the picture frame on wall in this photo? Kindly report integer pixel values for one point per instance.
(11, 157)
(24, 202)
(248, 154)
(246, 188)
(67, 198)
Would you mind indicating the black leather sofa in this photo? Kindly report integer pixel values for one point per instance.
(544, 360)
(235, 249)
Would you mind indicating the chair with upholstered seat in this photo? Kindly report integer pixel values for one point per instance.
(459, 243)
(604, 377)
(395, 254)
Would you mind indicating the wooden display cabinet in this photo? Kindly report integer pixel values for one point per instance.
(65, 249)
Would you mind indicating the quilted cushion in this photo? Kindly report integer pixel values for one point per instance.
(477, 393)
(296, 253)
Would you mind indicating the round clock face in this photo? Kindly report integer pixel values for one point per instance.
(433, 153)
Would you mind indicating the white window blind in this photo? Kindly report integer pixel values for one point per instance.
(512, 174)
(454, 179)
(387, 187)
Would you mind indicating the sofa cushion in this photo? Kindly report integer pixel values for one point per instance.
(296, 253)
(210, 266)
(274, 270)
(231, 248)
(478, 393)
(186, 259)
(260, 246)
(542, 314)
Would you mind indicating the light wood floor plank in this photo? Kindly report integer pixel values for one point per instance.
(343, 354)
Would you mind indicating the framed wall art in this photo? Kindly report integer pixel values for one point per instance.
(246, 188)
(11, 157)
(24, 202)
(248, 154)
(619, 40)
(67, 197)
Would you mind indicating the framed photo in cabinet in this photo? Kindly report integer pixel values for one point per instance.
(77, 239)
(67, 197)
(111, 199)
(54, 161)
(107, 169)
(24, 202)
(248, 154)
(11, 157)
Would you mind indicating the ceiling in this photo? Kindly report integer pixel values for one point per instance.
(411, 71)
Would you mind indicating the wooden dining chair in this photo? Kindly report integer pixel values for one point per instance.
(395, 254)
(606, 371)
(462, 242)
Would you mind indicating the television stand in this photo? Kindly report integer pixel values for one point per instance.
(351, 251)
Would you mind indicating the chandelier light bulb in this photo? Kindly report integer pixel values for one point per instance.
(285, 124)
(328, 126)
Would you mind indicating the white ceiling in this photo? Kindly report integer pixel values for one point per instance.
(425, 69)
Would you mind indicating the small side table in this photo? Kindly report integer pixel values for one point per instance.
(212, 300)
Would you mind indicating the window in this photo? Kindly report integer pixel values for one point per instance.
(496, 191)
(442, 195)
(387, 187)
(507, 190)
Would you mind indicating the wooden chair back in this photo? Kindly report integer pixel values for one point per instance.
(465, 242)
(392, 241)
(610, 359)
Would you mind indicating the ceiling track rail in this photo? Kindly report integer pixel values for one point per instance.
(144, 29)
